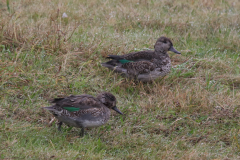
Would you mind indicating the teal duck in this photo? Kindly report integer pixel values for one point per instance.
(144, 65)
(83, 111)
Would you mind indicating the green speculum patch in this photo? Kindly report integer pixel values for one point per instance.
(71, 109)
(123, 61)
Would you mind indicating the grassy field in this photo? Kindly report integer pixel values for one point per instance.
(193, 113)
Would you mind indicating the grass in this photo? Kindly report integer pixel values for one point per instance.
(193, 113)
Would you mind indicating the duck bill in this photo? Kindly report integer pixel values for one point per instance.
(174, 50)
(116, 109)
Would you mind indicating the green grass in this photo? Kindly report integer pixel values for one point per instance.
(193, 113)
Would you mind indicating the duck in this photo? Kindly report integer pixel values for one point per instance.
(145, 65)
(83, 111)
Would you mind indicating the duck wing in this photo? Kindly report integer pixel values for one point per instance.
(77, 103)
(139, 67)
(142, 57)
(134, 56)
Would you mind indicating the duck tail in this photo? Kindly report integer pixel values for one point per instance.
(51, 108)
(116, 57)
(55, 100)
(109, 65)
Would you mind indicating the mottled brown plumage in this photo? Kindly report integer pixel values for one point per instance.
(144, 65)
(84, 110)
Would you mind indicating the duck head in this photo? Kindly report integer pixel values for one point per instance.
(163, 45)
(109, 100)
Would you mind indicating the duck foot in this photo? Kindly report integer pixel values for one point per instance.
(60, 125)
(82, 132)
